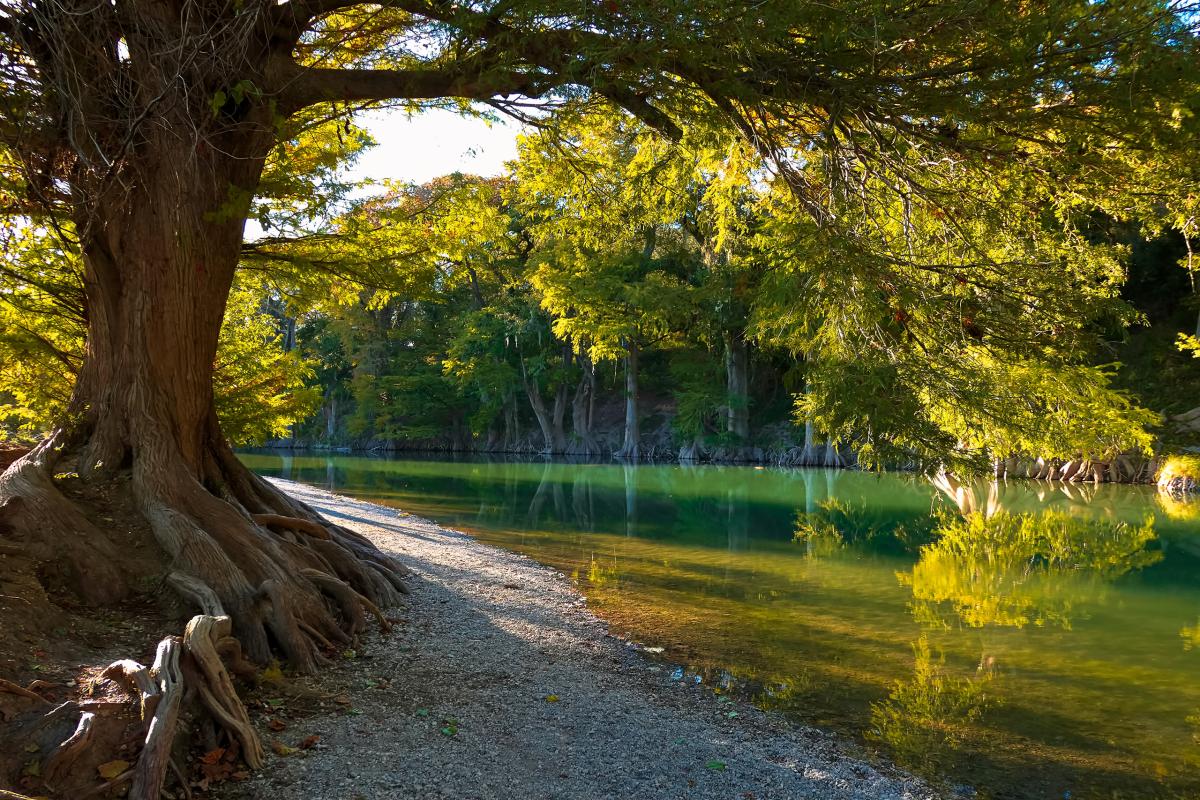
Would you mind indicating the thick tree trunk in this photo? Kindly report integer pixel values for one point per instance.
(331, 415)
(737, 369)
(512, 424)
(693, 450)
(557, 416)
(160, 180)
(813, 454)
(158, 267)
(142, 435)
(582, 404)
(550, 420)
(629, 449)
(832, 457)
(540, 413)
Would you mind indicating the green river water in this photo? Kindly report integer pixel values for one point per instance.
(1046, 645)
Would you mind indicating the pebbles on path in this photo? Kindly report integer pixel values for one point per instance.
(502, 684)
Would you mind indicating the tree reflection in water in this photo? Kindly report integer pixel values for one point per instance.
(1021, 569)
(926, 717)
(992, 568)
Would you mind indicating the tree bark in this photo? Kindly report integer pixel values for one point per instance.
(512, 424)
(550, 420)
(540, 412)
(558, 432)
(737, 387)
(159, 261)
(582, 404)
(629, 449)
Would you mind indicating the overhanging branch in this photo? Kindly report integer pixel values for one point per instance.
(318, 85)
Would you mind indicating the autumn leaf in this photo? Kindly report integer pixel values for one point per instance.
(271, 674)
(342, 699)
(282, 749)
(551, 698)
(276, 724)
(309, 741)
(212, 756)
(111, 769)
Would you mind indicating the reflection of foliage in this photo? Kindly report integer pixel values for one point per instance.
(837, 523)
(599, 576)
(820, 536)
(925, 718)
(1179, 507)
(1191, 636)
(1016, 569)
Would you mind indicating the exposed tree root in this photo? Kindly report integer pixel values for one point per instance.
(9, 687)
(62, 746)
(152, 764)
(291, 523)
(265, 572)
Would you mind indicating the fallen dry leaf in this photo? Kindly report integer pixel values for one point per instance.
(111, 769)
(277, 725)
(212, 756)
(309, 741)
(282, 749)
(343, 699)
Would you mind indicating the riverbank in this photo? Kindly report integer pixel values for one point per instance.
(500, 683)
(1131, 469)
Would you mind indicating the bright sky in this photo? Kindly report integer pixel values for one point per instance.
(419, 148)
(434, 143)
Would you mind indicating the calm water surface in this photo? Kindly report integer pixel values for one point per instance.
(1046, 644)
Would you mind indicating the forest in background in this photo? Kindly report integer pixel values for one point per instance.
(619, 294)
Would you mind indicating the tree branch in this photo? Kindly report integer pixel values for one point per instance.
(470, 80)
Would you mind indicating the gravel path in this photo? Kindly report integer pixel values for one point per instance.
(501, 684)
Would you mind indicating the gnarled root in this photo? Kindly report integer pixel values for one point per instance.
(265, 572)
(63, 745)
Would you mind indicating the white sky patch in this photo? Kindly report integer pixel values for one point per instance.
(422, 147)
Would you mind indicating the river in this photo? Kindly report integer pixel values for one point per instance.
(1023, 640)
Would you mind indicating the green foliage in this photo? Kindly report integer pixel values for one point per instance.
(41, 331)
(902, 194)
(260, 389)
(1179, 466)
(699, 393)
(955, 337)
